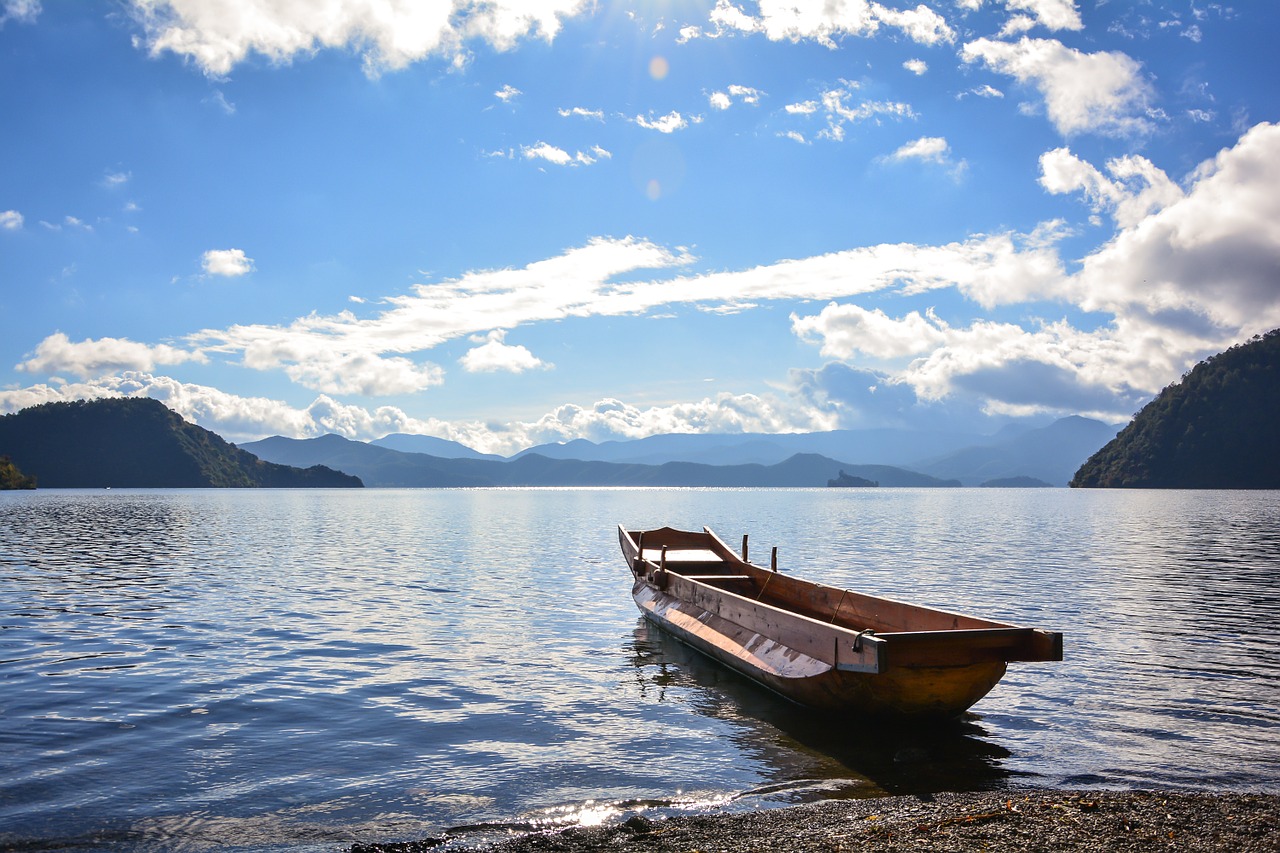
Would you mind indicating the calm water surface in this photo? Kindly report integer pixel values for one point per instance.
(298, 670)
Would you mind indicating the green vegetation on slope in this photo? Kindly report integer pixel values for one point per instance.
(1219, 428)
(135, 442)
(12, 478)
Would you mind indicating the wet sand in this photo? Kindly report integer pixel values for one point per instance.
(1005, 820)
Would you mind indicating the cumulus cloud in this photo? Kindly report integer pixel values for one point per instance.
(507, 94)
(1083, 92)
(825, 23)
(1188, 273)
(226, 262)
(917, 67)
(91, 358)
(241, 419)
(493, 355)
(1135, 189)
(10, 220)
(1207, 264)
(1053, 14)
(217, 35)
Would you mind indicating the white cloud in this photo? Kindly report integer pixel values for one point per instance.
(917, 67)
(1135, 190)
(560, 157)
(507, 94)
(844, 330)
(722, 100)
(91, 358)
(10, 220)
(494, 355)
(241, 419)
(1051, 14)
(669, 123)
(837, 106)
(219, 100)
(112, 180)
(226, 262)
(1098, 92)
(1206, 264)
(825, 22)
(582, 112)
(336, 372)
(217, 35)
(983, 91)
(931, 149)
(1188, 273)
(22, 11)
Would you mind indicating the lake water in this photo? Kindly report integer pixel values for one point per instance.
(300, 670)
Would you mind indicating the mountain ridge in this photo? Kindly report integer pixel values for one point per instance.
(379, 466)
(138, 442)
(1216, 428)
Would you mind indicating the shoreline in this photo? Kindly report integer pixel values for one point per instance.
(1029, 819)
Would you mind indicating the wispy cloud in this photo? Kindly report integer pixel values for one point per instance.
(507, 94)
(581, 112)
(841, 107)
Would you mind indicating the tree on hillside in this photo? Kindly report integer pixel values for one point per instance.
(1218, 428)
(12, 478)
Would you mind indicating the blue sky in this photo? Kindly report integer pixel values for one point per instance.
(508, 223)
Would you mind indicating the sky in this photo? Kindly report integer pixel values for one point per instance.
(508, 223)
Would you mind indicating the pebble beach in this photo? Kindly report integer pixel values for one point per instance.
(1004, 820)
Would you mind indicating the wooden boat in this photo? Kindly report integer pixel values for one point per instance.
(826, 648)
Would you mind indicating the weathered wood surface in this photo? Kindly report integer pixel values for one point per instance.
(828, 648)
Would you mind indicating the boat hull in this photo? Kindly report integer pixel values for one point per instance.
(909, 693)
(833, 650)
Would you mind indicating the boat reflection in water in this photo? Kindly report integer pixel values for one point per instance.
(812, 755)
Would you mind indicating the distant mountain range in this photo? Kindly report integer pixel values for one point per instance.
(137, 443)
(1218, 428)
(1049, 454)
(381, 466)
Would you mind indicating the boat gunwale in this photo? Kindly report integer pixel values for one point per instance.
(730, 556)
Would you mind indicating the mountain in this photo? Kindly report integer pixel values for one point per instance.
(1218, 428)
(136, 442)
(1051, 453)
(429, 444)
(380, 466)
(882, 446)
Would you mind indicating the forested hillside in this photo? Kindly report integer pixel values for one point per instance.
(1219, 428)
(137, 443)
